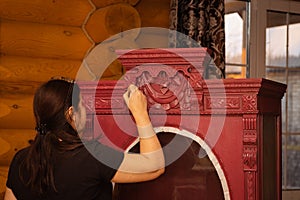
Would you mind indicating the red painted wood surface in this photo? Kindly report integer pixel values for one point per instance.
(238, 119)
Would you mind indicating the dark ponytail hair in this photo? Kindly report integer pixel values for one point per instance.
(54, 133)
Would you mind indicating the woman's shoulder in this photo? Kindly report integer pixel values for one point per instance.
(21, 153)
(19, 157)
(111, 156)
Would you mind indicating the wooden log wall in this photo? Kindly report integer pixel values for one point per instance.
(44, 38)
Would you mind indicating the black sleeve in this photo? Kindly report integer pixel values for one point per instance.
(110, 159)
(13, 172)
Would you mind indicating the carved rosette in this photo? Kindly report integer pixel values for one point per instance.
(249, 102)
(250, 152)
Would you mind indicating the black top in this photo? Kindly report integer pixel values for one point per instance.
(78, 174)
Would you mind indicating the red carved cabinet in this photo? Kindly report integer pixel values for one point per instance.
(222, 138)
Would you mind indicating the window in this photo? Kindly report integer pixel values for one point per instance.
(283, 65)
(235, 39)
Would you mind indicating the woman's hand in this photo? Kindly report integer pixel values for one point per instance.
(137, 104)
(150, 162)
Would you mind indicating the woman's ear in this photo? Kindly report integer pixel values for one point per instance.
(70, 116)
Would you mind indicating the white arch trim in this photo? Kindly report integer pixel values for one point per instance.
(204, 145)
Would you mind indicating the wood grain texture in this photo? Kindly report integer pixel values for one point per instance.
(14, 69)
(111, 20)
(12, 88)
(20, 69)
(21, 111)
(101, 61)
(3, 178)
(101, 3)
(153, 37)
(154, 13)
(64, 12)
(18, 85)
(16, 139)
(4, 110)
(43, 40)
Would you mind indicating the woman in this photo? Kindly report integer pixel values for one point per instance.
(59, 165)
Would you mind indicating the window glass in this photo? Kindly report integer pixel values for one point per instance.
(283, 65)
(294, 41)
(234, 38)
(279, 75)
(276, 39)
(294, 102)
(235, 52)
(293, 157)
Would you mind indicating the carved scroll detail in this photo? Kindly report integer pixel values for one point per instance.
(106, 102)
(250, 142)
(223, 103)
(171, 78)
(166, 92)
(250, 157)
(89, 102)
(172, 88)
(109, 102)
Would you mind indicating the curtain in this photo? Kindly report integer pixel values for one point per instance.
(203, 21)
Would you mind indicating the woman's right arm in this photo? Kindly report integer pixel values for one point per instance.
(9, 195)
(149, 163)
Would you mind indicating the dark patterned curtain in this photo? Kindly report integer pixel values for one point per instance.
(203, 21)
